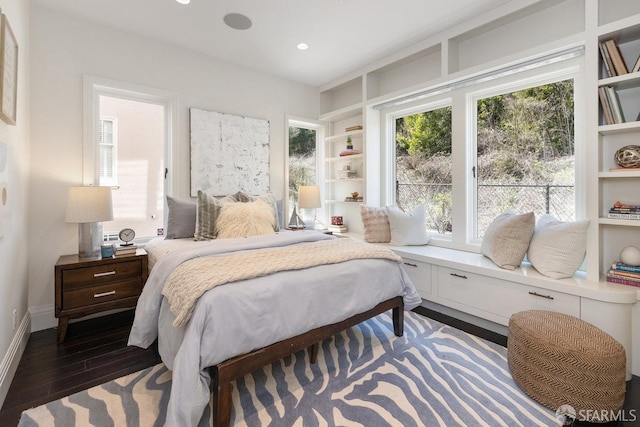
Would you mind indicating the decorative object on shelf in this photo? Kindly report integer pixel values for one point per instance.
(346, 172)
(310, 199)
(628, 156)
(336, 220)
(8, 72)
(630, 256)
(349, 143)
(355, 194)
(89, 206)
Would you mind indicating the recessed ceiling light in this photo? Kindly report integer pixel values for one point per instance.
(184, 1)
(237, 21)
(303, 46)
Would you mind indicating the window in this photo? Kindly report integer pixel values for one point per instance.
(303, 156)
(108, 141)
(423, 166)
(127, 147)
(473, 149)
(525, 153)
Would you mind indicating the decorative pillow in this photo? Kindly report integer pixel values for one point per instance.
(376, 224)
(181, 219)
(557, 248)
(407, 228)
(268, 198)
(207, 211)
(507, 238)
(244, 219)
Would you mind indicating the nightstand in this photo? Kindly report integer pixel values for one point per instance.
(90, 285)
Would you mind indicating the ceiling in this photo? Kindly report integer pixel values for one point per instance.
(343, 35)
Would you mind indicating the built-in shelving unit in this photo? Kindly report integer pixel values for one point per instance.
(618, 21)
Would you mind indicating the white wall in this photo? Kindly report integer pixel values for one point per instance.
(64, 49)
(13, 246)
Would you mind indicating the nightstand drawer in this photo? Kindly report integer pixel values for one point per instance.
(98, 274)
(91, 295)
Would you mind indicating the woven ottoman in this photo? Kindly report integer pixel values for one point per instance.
(557, 359)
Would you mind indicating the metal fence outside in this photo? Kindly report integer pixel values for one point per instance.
(492, 199)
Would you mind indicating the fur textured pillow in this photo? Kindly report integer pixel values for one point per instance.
(244, 219)
(376, 224)
(507, 239)
(557, 248)
(268, 198)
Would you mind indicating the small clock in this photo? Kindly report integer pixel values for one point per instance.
(127, 235)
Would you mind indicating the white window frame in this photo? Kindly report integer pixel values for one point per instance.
(462, 99)
(319, 127)
(93, 88)
(113, 180)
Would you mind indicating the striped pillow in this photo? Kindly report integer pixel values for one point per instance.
(376, 224)
(208, 209)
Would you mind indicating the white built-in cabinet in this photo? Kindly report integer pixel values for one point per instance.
(517, 31)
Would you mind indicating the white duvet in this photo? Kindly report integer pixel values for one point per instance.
(240, 317)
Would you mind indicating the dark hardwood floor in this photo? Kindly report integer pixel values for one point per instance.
(95, 351)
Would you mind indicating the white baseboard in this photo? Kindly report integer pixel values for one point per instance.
(14, 354)
(43, 318)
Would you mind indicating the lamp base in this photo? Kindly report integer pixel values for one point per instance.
(295, 221)
(89, 239)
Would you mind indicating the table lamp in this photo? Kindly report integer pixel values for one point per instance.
(310, 199)
(89, 206)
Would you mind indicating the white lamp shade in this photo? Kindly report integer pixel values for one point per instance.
(89, 204)
(309, 197)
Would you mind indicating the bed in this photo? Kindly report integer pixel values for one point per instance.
(236, 328)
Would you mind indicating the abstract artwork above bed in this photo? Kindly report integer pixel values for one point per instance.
(228, 153)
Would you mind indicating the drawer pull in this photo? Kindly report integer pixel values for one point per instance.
(535, 294)
(412, 265)
(106, 273)
(104, 294)
(458, 275)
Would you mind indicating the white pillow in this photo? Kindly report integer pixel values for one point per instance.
(407, 228)
(507, 238)
(557, 248)
(244, 219)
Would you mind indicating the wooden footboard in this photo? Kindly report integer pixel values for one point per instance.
(224, 373)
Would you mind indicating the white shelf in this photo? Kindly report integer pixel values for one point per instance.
(342, 202)
(351, 157)
(343, 113)
(619, 222)
(621, 82)
(618, 128)
(623, 174)
(342, 136)
(357, 179)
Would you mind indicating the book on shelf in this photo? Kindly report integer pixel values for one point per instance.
(624, 215)
(350, 128)
(125, 250)
(624, 274)
(606, 60)
(620, 266)
(636, 67)
(616, 109)
(622, 281)
(354, 199)
(616, 57)
(624, 169)
(606, 105)
(349, 153)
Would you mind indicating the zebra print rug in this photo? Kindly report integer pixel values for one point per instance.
(434, 375)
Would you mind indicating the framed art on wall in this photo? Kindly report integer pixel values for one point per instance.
(8, 72)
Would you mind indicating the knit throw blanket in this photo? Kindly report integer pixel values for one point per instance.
(193, 278)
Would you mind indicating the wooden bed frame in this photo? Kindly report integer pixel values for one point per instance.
(225, 372)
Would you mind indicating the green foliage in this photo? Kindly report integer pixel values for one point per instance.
(302, 142)
(427, 133)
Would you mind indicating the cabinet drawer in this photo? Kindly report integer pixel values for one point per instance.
(420, 275)
(497, 299)
(100, 274)
(90, 295)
